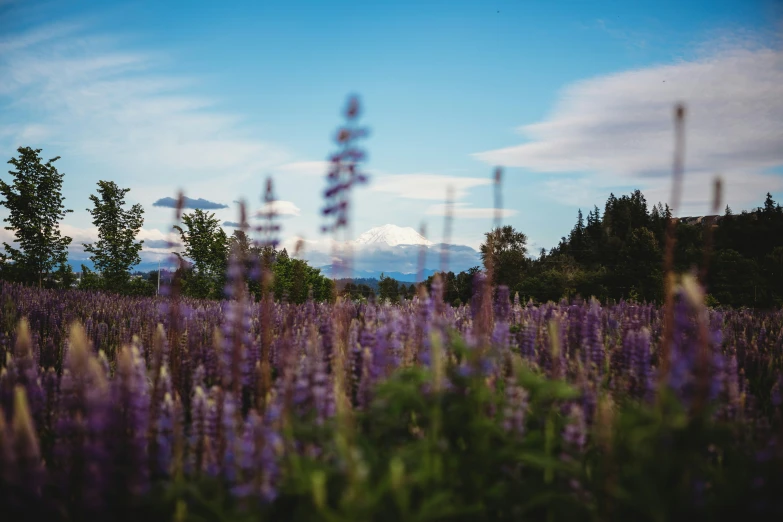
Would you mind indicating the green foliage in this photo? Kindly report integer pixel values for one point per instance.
(63, 277)
(294, 280)
(35, 206)
(356, 291)
(90, 280)
(422, 454)
(457, 288)
(420, 451)
(116, 250)
(206, 244)
(388, 288)
(505, 250)
(140, 287)
(619, 255)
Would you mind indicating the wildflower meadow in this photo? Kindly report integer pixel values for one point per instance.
(260, 407)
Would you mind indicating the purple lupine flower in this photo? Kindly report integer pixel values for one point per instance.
(424, 320)
(267, 462)
(322, 393)
(164, 436)
(527, 342)
(344, 171)
(247, 449)
(198, 431)
(313, 391)
(326, 334)
(502, 304)
(80, 450)
(515, 409)
(476, 299)
(237, 341)
(381, 350)
(501, 334)
(127, 434)
(228, 422)
(637, 343)
(575, 432)
(198, 378)
(50, 384)
(215, 432)
(592, 341)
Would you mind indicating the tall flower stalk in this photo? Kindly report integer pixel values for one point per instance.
(345, 172)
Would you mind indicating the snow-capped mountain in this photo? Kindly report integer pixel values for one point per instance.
(392, 235)
(397, 252)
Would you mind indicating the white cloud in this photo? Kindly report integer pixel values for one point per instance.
(279, 207)
(378, 256)
(306, 168)
(463, 210)
(577, 192)
(618, 129)
(425, 186)
(95, 99)
(36, 36)
(79, 236)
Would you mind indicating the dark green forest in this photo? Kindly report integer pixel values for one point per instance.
(617, 254)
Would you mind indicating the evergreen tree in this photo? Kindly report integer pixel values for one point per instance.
(388, 288)
(769, 204)
(64, 277)
(35, 205)
(577, 244)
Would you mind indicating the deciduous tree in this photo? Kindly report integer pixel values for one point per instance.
(117, 249)
(505, 251)
(35, 206)
(206, 244)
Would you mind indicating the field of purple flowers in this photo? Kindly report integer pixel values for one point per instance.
(171, 408)
(116, 408)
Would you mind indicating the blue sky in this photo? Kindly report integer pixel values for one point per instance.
(573, 98)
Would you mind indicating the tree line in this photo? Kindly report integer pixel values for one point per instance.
(612, 254)
(617, 254)
(35, 205)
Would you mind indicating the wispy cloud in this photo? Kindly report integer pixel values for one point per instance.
(279, 207)
(156, 243)
(305, 168)
(617, 129)
(425, 186)
(38, 35)
(160, 243)
(463, 210)
(96, 98)
(201, 203)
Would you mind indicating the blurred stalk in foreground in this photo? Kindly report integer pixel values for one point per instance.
(668, 260)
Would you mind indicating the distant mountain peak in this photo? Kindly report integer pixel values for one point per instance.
(392, 235)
